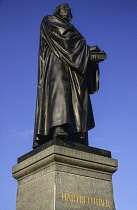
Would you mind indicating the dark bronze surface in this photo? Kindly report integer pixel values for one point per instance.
(68, 73)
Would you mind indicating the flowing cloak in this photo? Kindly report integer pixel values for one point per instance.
(66, 77)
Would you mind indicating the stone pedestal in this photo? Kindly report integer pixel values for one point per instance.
(65, 176)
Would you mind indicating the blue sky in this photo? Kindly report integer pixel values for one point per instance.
(110, 24)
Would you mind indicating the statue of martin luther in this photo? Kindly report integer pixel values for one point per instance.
(68, 73)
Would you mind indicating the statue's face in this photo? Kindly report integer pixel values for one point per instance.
(65, 12)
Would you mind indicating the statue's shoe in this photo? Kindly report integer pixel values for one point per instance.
(60, 133)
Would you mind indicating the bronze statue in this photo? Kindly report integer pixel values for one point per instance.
(68, 73)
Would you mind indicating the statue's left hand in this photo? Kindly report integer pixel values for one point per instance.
(95, 58)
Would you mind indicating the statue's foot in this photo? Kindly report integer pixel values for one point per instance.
(79, 137)
(60, 133)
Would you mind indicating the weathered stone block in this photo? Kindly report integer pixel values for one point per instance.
(64, 178)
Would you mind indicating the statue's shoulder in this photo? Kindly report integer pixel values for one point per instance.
(49, 18)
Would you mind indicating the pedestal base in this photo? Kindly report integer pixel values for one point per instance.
(61, 177)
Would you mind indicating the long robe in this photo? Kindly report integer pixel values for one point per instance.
(66, 77)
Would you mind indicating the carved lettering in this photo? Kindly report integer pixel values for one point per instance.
(85, 200)
(90, 201)
(74, 198)
(69, 198)
(64, 196)
(82, 199)
(107, 204)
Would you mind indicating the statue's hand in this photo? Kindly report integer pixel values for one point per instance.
(95, 58)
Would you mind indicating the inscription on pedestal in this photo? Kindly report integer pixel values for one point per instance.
(63, 178)
(86, 200)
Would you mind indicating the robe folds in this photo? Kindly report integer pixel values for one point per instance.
(66, 77)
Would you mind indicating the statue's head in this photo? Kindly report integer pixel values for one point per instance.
(64, 12)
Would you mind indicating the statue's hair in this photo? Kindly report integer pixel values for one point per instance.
(56, 11)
